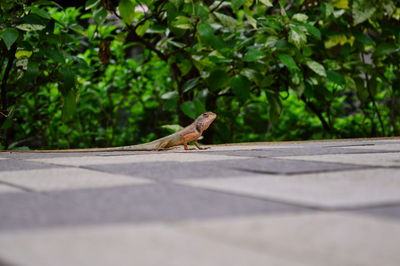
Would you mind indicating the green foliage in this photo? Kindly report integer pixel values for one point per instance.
(114, 72)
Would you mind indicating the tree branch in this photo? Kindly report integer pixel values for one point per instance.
(372, 98)
(314, 109)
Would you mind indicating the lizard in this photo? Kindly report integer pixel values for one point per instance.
(188, 134)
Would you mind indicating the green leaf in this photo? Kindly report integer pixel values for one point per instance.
(32, 22)
(190, 84)
(386, 49)
(9, 121)
(206, 34)
(316, 67)
(199, 107)
(274, 107)
(236, 4)
(362, 10)
(55, 54)
(364, 39)
(68, 81)
(23, 53)
(225, 20)
(288, 61)
(312, 30)
(141, 30)
(266, 3)
(9, 37)
(100, 15)
(252, 21)
(241, 87)
(172, 128)
(30, 27)
(40, 12)
(182, 22)
(127, 11)
(69, 106)
(177, 3)
(176, 44)
(189, 109)
(218, 79)
(253, 54)
(297, 36)
(169, 95)
(91, 3)
(336, 77)
(300, 17)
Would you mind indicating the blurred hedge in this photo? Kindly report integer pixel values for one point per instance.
(119, 72)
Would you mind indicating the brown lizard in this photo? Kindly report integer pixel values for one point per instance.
(188, 134)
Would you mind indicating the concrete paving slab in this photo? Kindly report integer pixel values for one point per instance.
(16, 165)
(165, 171)
(66, 178)
(127, 204)
(249, 146)
(348, 189)
(391, 211)
(142, 158)
(374, 159)
(6, 188)
(314, 239)
(145, 245)
(378, 146)
(307, 150)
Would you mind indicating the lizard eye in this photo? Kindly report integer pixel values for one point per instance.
(205, 115)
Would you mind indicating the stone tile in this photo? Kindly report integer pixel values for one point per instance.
(307, 150)
(165, 171)
(144, 245)
(142, 158)
(390, 211)
(126, 204)
(46, 155)
(373, 159)
(378, 146)
(66, 178)
(5, 188)
(349, 189)
(15, 165)
(250, 146)
(313, 239)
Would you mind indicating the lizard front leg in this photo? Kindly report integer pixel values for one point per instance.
(197, 144)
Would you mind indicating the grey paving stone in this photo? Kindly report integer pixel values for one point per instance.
(164, 171)
(390, 211)
(15, 165)
(307, 150)
(127, 204)
(119, 244)
(314, 239)
(373, 159)
(329, 190)
(44, 155)
(4, 263)
(65, 178)
(7, 188)
(378, 146)
(142, 158)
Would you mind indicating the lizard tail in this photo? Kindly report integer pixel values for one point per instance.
(140, 147)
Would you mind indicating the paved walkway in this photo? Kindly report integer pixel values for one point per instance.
(282, 204)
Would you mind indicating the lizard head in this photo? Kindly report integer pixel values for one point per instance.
(204, 120)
